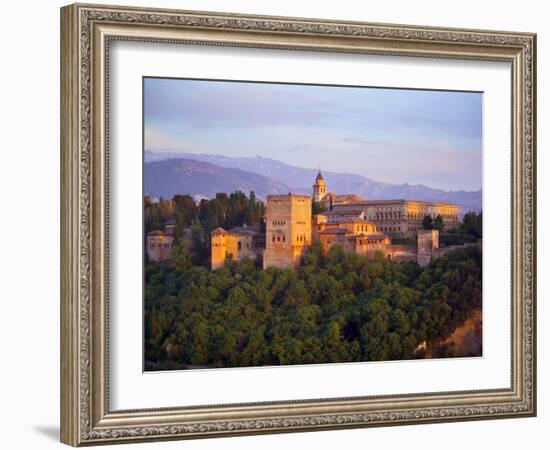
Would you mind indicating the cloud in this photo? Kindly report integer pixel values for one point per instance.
(157, 140)
(231, 105)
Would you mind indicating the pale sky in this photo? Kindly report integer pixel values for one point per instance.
(392, 135)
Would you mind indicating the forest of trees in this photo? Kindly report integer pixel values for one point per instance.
(335, 308)
(222, 211)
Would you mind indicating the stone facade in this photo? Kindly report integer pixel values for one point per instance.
(159, 245)
(354, 235)
(402, 217)
(427, 243)
(236, 243)
(370, 245)
(288, 229)
(362, 244)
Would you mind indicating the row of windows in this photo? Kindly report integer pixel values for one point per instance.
(363, 228)
(367, 242)
(390, 228)
(278, 223)
(239, 245)
(159, 245)
(389, 215)
(409, 216)
(299, 238)
(399, 208)
(397, 229)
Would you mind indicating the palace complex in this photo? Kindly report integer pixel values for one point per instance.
(390, 216)
(392, 228)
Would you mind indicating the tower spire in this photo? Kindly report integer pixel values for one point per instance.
(319, 186)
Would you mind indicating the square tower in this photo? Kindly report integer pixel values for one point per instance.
(288, 230)
(223, 244)
(427, 242)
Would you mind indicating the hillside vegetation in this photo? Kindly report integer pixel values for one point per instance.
(335, 308)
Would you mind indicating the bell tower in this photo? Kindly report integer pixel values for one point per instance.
(319, 187)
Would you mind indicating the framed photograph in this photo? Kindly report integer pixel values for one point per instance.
(276, 224)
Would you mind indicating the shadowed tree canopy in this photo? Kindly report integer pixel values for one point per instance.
(427, 223)
(438, 224)
(469, 231)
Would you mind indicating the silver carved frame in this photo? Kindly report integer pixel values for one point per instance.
(86, 32)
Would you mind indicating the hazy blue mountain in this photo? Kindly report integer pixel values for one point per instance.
(300, 180)
(168, 177)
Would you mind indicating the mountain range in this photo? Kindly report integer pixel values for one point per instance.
(168, 177)
(201, 175)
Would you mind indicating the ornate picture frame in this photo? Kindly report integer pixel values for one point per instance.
(87, 31)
